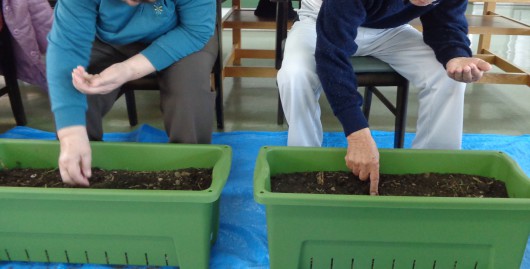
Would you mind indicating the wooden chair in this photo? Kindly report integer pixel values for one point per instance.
(487, 25)
(238, 19)
(371, 73)
(150, 83)
(7, 62)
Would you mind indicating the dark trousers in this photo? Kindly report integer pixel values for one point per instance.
(186, 98)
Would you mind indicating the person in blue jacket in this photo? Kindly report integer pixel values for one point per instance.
(95, 46)
(439, 62)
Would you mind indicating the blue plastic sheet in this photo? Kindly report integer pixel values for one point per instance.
(242, 240)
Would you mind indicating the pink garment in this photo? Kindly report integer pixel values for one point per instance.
(29, 22)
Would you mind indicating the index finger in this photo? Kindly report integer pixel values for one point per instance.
(374, 182)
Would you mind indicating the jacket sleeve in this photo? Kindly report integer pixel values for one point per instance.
(195, 27)
(445, 30)
(337, 25)
(69, 45)
(41, 19)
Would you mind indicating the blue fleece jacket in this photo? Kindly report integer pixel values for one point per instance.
(444, 30)
(173, 28)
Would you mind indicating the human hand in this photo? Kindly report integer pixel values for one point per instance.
(113, 76)
(466, 69)
(76, 156)
(362, 158)
(110, 79)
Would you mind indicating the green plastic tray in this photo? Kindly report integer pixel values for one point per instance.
(125, 227)
(316, 231)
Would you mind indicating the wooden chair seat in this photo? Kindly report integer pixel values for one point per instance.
(493, 24)
(244, 18)
(238, 19)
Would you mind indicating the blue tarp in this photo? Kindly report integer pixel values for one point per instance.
(242, 240)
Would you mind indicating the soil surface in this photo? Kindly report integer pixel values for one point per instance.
(427, 184)
(183, 179)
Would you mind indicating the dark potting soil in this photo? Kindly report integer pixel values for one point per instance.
(182, 179)
(427, 184)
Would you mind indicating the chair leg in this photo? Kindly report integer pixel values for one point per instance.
(130, 101)
(401, 115)
(13, 91)
(367, 101)
(219, 102)
(280, 114)
(218, 84)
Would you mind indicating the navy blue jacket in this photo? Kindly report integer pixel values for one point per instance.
(444, 30)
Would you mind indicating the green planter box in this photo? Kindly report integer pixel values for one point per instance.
(347, 231)
(134, 227)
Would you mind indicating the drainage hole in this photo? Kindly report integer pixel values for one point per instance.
(7, 254)
(352, 263)
(331, 265)
(393, 263)
(47, 255)
(67, 258)
(476, 265)
(414, 264)
(107, 257)
(434, 265)
(456, 263)
(27, 255)
(167, 259)
(86, 256)
(146, 260)
(311, 263)
(373, 263)
(126, 259)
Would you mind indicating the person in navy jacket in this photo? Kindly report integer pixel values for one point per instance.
(438, 62)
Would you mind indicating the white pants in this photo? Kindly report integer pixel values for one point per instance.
(441, 99)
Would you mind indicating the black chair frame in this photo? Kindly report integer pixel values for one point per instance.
(369, 80)
(8, 64)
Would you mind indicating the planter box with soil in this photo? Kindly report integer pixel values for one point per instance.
(112, 226)
(394, 232)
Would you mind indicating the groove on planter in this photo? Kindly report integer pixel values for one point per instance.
(393, 266)
(8, 256)
(27, 255)
(107, 257)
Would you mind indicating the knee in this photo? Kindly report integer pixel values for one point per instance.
(298, 77)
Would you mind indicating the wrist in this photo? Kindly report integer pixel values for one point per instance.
(137, 66)
(359, 134)
(71, 131)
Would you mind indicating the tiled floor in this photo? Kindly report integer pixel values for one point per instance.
(250, 103)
